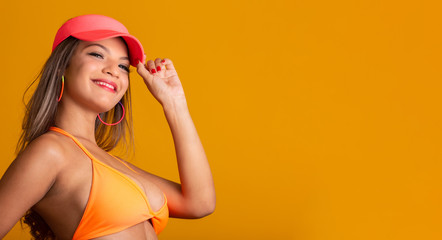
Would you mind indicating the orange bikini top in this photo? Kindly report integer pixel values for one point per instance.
(115, 201)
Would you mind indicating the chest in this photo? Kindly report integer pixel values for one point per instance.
(110, 176)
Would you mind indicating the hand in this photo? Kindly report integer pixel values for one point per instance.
(162, 80)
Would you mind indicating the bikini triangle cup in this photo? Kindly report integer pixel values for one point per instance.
(115, 201)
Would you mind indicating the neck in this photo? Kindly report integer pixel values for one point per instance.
(76, 120)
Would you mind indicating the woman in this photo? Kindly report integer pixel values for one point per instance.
(64, 179)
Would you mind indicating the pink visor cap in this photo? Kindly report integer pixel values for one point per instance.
(97, 27)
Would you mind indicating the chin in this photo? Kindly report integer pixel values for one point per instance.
(104, 104)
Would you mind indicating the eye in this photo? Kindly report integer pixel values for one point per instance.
(96, 55)
(126, 68)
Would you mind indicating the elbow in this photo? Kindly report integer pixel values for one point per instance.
(205, 208)
(204, 211)
(209, 209)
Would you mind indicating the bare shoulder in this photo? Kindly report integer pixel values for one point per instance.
(29, 177)
(40, 162)
(48, 149)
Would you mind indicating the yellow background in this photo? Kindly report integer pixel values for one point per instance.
(320, 119)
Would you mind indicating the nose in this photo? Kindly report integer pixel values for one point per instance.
(111, 68)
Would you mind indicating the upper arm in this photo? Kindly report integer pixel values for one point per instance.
(27, 180)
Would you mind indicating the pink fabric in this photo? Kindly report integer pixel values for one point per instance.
(98, 27)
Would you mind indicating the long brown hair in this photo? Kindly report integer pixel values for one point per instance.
(40, 114)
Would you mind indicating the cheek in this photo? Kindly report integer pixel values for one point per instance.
(88, 67)
(125, 84)
(81, 69)
(78, 76)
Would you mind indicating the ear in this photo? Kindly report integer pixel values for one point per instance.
(60, 73)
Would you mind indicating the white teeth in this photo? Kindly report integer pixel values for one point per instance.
(105, 84)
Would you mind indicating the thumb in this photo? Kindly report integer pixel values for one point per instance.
(144, 73)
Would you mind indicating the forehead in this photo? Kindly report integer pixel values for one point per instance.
(115, 46)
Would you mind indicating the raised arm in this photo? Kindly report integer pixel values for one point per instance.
(195, 197)
(26, 181)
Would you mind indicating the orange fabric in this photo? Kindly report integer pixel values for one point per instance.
(115, 201)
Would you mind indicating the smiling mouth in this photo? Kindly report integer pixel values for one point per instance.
(105, 85)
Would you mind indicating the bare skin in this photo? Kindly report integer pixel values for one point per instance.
(53, 175)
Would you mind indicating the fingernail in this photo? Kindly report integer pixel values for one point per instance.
(163, 61)
(158, 68)
(153, 71)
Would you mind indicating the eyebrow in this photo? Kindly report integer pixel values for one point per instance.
(104, 48)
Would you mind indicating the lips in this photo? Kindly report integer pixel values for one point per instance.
(106, 84)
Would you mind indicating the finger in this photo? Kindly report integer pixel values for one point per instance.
(168, 64)
(158, 64)
(144, 73)
(151, 67)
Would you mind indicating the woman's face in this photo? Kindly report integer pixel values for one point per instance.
(98, 74)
